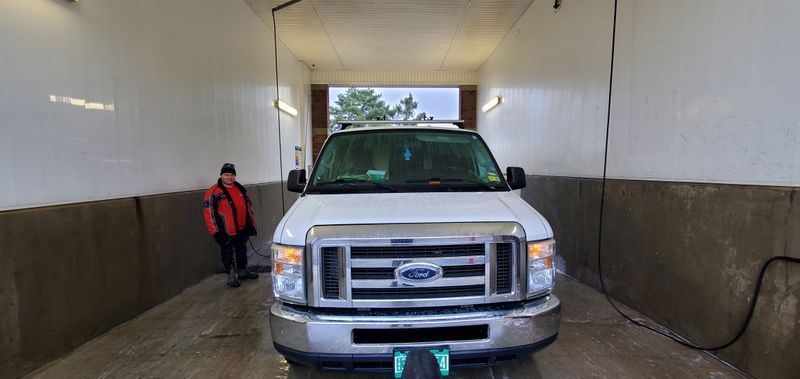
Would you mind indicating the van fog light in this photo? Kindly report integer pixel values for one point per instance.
(288, 277)
(540, 266)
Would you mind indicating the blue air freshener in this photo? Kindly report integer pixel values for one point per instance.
(407, 154)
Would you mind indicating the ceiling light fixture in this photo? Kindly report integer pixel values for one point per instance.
(280, 104)
(492, 103)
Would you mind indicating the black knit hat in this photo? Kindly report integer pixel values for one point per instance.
(228, 168)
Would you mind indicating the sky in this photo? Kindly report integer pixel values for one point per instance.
(441, 103)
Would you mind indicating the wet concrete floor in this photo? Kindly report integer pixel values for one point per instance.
(210, 330)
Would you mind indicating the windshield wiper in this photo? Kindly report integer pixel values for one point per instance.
(479, 183)
(353, 181)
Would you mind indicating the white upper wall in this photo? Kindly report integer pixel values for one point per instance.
(107, 99)
(552, 73)
(703, 91)
(707, 91)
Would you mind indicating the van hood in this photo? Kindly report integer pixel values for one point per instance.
(408, 208)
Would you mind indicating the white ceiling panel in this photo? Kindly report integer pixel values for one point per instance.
(485, 24)
(392, 35)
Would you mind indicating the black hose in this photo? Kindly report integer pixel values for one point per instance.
(682, 341)
(256, 251)
(278, 97)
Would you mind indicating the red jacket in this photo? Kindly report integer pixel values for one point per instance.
(220, 213)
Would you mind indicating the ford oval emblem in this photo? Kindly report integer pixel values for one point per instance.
(411, 273)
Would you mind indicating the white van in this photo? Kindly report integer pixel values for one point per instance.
(410, 237)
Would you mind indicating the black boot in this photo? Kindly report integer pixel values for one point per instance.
(244, 274)
(233, 281)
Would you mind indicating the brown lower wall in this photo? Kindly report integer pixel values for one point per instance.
(69, 273)
(688, 256)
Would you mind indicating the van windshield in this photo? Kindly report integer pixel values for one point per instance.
(405, 161)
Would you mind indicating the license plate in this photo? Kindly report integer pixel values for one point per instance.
(442, 357)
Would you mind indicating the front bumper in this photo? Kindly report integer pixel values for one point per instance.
(326, 339)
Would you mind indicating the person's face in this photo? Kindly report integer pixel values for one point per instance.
(228, 179)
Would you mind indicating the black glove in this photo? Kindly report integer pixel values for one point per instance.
(221, 238)
(251, 231)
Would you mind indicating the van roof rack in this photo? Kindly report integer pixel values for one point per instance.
(348, 123)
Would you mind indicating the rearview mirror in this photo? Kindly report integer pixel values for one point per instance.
(515, 176)
(296, 181)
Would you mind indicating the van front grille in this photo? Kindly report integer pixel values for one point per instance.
(359, 274)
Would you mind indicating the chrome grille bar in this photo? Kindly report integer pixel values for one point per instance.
(411, 252)
(443, 282)
(358, 273)
(390, 262)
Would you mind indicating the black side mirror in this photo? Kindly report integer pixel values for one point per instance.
(296, 181)
(515, 176)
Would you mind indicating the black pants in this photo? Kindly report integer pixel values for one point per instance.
(226, 250)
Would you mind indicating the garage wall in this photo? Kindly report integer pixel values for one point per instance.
(69, 273)
(108, 99)
(115, 116)
(703, 92)
(702, 158)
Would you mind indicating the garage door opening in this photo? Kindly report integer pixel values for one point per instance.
(365, 103)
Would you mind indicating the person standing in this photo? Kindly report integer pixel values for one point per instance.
(229, 218)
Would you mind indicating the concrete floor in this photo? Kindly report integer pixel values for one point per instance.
(210, 330)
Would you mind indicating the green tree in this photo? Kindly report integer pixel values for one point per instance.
(360, 104)
(365, 104)
(406, 109)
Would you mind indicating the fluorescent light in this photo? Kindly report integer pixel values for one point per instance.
(492, 103)
(81, 103)
(286, 107)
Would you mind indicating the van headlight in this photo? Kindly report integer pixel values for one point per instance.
(288, 279)
(541, 273)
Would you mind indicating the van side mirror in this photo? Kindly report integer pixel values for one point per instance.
(515, 176)
(296, 181)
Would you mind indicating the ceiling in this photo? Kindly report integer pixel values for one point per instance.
(422, 35)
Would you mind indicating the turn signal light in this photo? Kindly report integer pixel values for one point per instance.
(539, 250)
(288, 254)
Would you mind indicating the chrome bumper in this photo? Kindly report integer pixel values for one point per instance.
(310, 331)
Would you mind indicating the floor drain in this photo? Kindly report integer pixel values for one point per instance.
(260, 269)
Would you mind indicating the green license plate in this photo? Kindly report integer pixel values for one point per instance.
(442, 356)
